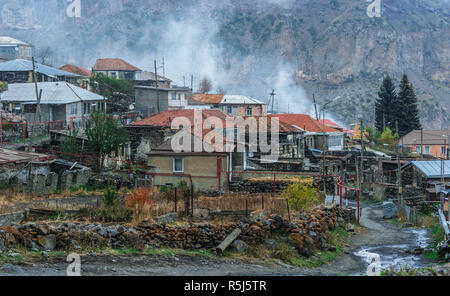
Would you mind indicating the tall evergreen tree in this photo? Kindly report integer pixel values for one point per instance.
(408, 112)
(386, 105)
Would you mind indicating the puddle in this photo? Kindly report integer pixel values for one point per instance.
(394, 256)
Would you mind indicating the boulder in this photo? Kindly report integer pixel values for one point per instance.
(167, 218)
(240, 246)
(271, 244)
(47, 242)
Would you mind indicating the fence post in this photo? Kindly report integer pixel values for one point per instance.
(274, 184)
(340, 195)
(289, 212)
(358, 203)
(175, 196)
(262, 201)
(24, 131)
(246, 207)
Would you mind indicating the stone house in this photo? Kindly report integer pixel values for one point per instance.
(117, 69)
(21, 71)
(11, 49)
(60, 101)
(40, 173)
(150, 132)
(151, 99)
(424, 175)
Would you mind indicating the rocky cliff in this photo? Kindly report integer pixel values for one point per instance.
(329, 47)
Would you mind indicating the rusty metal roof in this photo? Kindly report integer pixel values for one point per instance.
(16, 156)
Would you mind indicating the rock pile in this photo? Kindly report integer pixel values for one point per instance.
(307, 233)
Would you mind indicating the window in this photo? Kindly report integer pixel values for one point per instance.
(174, 96)
(418, 149)
(427, 149)
(74, 108)
(178, 165)
(235, 111)
(113, 75)
(179, 96)
(249, 111)
(229, 109)
(443, 150)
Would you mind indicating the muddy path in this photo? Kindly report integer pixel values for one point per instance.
(379, 236)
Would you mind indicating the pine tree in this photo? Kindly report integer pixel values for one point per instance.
(386, 105)
(408, 115)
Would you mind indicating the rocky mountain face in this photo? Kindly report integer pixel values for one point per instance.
(328, 47)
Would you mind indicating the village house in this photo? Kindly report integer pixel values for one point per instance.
(152, 131)
(315, 136)
(60, 101)
(210, 169)
(236, 105)
(117, 69)
(40, 173)
(151, 99)
(147, 78)
(423, 175)
(11, 49)
(85, 74)
(429, 142)
(21, 71)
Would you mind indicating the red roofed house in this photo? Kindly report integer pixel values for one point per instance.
(116, 68)
(153, 131)
(84, 73)
(316, 135)
(236, 105)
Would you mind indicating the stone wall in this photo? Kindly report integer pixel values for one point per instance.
(305, 234)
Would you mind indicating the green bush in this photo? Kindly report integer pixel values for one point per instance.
(300, 196)
(111, 197)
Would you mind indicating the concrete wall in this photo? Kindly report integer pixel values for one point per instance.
(202, 165)
(146, 100)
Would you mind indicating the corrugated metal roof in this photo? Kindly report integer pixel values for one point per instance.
(25, 65)
(52, 93)
(11, 41)
(238, 99)
(432, 168)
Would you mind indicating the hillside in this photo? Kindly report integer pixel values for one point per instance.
(329, 48)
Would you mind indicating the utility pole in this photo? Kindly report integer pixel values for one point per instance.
(157, 90)
(272, 98)
(399, 173)
(37, 113)
(192, 83)
(163, 67)
(315, 107)
(361, 130)
(324, 138)
(421, 142)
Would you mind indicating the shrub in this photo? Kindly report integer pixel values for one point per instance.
(300, 196)
(139, 198)
(111, 197)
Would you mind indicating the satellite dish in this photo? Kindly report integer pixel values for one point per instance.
(131, 107)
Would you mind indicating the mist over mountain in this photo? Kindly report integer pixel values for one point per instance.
(327, 47)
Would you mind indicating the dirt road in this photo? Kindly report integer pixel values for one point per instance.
(381, 237)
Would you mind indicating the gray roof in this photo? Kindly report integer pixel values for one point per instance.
(239, 99)
(432, 168)
(6, 40)
(52, 93)
(25, 65)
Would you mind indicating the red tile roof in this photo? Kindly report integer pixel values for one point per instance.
(114, 65)
(335, 125)
(208, 98)
(165, 118)
(76, 70)
(305, 122)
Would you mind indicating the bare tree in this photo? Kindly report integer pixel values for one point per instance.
(205, 86)
(44, 55)
(221, 90)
